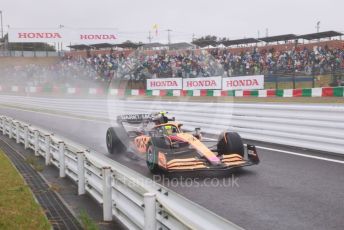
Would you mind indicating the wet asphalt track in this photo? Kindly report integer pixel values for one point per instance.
(283, 192)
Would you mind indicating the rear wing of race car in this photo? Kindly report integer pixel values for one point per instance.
(134, 118)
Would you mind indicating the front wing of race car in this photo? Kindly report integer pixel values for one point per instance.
(187, 161)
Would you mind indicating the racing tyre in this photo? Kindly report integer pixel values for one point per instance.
(116, 140)
(152, 159)
(230, 142)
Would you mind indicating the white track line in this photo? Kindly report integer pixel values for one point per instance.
(301, 155)
(211, 139)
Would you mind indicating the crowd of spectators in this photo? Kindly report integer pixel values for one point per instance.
(101, 69)
(217, 62)
(318, 60)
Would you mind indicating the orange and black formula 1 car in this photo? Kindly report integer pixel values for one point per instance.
(167, 148)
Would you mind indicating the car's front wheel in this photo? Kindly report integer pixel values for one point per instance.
(229, 143)
(116, 140)
(152, 159)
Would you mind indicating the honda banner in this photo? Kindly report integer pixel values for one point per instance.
(68, 35)
(245, 82)
(165, 83)
(202, 83)
(36, 35)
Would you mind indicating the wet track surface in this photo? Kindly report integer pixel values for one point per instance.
(283, 192)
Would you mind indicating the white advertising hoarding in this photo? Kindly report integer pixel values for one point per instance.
(85, 36)
(202, 83)
(165, 83)
(36, 35)
(245, 82)
(68, 35)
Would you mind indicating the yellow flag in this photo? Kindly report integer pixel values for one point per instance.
(155, 27)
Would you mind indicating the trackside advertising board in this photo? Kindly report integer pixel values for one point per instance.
(202, 83)
(36, 35)
(81, 36)
(165, 83)
(245, 82)
(212, 83)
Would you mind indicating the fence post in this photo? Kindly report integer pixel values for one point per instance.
(294, 83)
(115, 194)
(10, 130)
(62, 159)
(26, 136)
(47, 149)
(149, 211)
(17, 133)
(36, 142)
(107, 198)
(81, 173)
(3, 119)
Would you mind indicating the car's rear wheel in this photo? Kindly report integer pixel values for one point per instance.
(152, 159)
(116, 140)
(229, 143)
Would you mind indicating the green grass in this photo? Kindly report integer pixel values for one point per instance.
(33, 161)
(18, 209)
(87, 222)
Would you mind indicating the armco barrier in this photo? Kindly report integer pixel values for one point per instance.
(134, 199)
(310, 126)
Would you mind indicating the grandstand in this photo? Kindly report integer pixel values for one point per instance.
(280, 58)
(280, 43)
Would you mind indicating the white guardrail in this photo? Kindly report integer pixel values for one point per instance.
(318, 126)
(137, 201)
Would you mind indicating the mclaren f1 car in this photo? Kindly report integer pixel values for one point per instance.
(166, 147)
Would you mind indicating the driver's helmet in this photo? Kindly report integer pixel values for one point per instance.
(168, 130)
(162, 113)
(171, 129)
